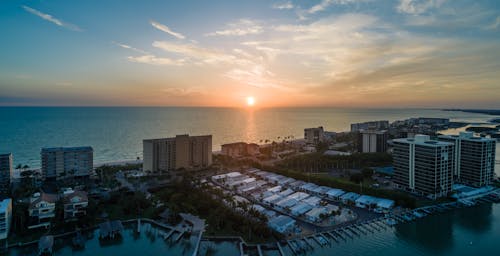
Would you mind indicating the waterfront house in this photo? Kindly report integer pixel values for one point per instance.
(315, 214)
(42, 209)
(335, 193)
(281, 223)
(384, 205)
(300, 209)
(365, 201)
(75, 204)
(349, 198)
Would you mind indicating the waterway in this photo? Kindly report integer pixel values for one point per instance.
(468, 231)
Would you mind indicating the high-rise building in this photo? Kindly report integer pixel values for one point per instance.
(372, 125)
(6, 173)
(314, 135)
(423, 166)
(65, 162)
(181, 151)
(474, 158)
(370, 141)
(5, 217)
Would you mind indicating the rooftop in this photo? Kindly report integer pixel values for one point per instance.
(67, 149)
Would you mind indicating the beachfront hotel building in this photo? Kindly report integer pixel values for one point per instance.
(64, 162)
(371, 141)
(314, 135)
(474, 156)
(6, 173)
(5, 217)
(181, 151)
(423, 166)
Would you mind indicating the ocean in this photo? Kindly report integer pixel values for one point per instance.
(116, 133)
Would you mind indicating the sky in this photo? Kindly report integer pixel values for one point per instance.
(284, 53)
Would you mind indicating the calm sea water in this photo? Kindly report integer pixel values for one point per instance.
(116, 133)
(471, 231)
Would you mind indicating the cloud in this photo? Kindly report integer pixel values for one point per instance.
(125, 46)
(242, 27)
(283, 6)
(153, 60)
(418, 6)
(52, 19)
(324, 4)
(495, 24)
(166, 29)
(194, 52)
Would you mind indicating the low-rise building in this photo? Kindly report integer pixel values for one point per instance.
(384, 205)
(315, 214)
(300, 209)
(5, 217)
(281, 223)
(42, 209)
(349, 198)
(75, 204)
(335, 193)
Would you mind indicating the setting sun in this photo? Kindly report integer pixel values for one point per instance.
(250, 101)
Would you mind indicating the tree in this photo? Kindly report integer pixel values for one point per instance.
(356, 178)
(367, 172)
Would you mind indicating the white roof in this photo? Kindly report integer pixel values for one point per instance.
(315, 212)
(274, 189)
(364, 199)
(350, 196)
(301, 208)
(335, 192)
(287, 202)
(313, 200)
(258, 207)
(272, 199)
(233, 174)
(385, 203)
(299, 196)
(286, 192)
(248, 180)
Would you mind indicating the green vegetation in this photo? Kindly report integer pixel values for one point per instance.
(207, 202)
(318, 162)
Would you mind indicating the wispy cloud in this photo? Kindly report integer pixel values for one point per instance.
(166, 29)
(495, 24)
(125, 46)
(153, 60)
(195, 52)
(240, 28)
(418, 6)
(52, 19)
(324, 4)
(283, 6)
